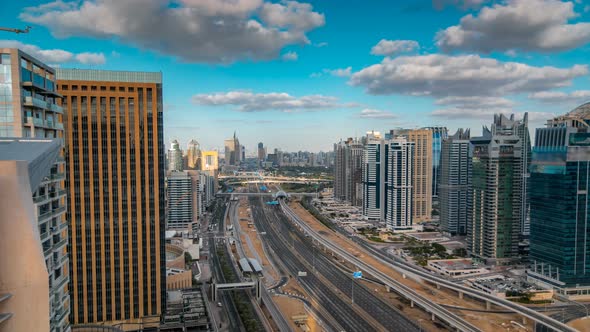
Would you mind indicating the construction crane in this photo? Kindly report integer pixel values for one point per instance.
(26, 30)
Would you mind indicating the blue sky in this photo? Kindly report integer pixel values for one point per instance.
(302, 75)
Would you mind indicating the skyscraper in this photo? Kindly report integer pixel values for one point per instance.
(455, 181)
(233, 151)
(210, 162)
(374, 177)
(115, 163)
(261, 152)
(175, 157)
(398, 183)
(179, 199)
(28, 108)
(560, 210)
(193, 155)
(497, 193)
(26, 276)
(348, 171)
(422, 170)
(439, 134)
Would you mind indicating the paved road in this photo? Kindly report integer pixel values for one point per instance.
(328, 285)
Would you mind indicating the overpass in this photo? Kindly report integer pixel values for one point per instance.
(273, 195)
(426, 303)
(259, 178)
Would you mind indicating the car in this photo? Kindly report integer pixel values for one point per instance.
(219, 304)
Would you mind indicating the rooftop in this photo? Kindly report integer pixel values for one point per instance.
(72, 74)
(582, 111)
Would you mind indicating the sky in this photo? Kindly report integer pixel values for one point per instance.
(301, 75)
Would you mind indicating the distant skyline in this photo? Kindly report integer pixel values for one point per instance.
(303, 75)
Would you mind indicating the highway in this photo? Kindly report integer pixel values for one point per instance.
(276, 314)
(234, 321)
(329, 287)
(405, 267)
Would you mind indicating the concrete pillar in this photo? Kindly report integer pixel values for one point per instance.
(433, 317)
(461, 295)
(488, 305)
(404, 275)
(437, 286)
(524, 320)
(387, 289)
(411, 304)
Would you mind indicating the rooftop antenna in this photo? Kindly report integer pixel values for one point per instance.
(17, 31)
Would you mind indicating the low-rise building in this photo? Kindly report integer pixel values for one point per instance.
(456, 267)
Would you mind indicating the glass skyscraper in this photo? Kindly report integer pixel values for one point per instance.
(560, 177)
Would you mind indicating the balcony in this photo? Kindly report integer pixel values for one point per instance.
(59, 261)
(56, 108)
(45, 236)
(44, 215)
(32, 121)
(36, 103)
(40, 198)
(59, 210)
(60, 244)
(58, 193)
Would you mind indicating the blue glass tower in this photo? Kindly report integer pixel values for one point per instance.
(560, 225)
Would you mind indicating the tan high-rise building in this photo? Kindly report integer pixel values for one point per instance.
(193, 155)
(422, 171)
(115, 163)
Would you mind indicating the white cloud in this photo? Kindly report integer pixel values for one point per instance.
(394, 47)
(91, 58)
(56, 56)
(469, 102)
(527, 25)
(470, 75)
(321, 44)
(290, 56)
(274, 101)
(339, 72)
(212, 31)
(368, 113)
(578, 97)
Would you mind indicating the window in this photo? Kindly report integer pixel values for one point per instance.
(5, 59)
(64, 87)
(121, 89)
(74, 88)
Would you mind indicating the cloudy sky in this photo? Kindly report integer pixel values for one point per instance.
(300, 75)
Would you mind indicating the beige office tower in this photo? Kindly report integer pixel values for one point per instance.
(193, 155)
(422, 171)
(28, 108)
(115, 161)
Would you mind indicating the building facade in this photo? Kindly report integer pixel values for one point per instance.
(560, 211)
(179, 214)
(261, 152)
(233, 151)
(373, 169)
(439, 134)
(496, 192)
(210, 162)
(193, 155)
(422, 170)
(115, 165)
(398, 184)
(175, 162)
(455, 181)
(29, 108)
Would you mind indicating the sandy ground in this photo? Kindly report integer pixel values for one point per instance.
(485, 321)
(582, 324)
(294, 307)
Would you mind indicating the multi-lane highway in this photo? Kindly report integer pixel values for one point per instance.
(276, 314)
(405, 267)
(329, 287)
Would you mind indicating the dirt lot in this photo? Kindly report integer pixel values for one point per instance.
(485, 321)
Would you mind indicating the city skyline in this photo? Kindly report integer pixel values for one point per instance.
(408, 64)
